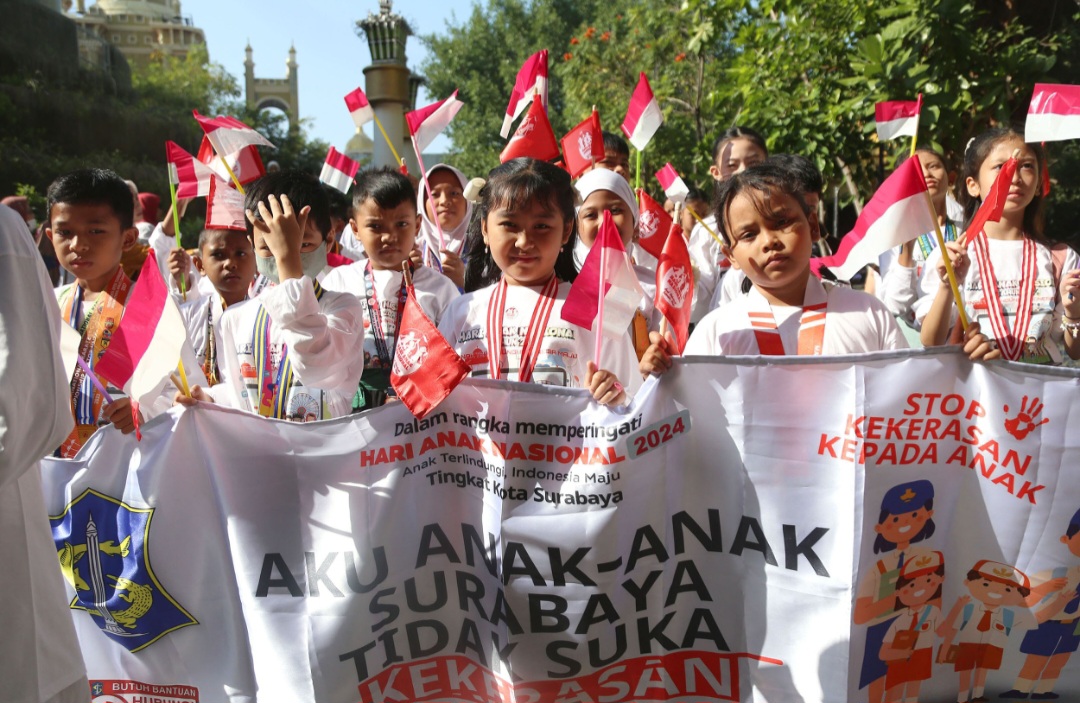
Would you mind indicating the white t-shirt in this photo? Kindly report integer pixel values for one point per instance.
(434, 293)
(564, 353)
(901, 286)
(854, 323)
(42, 661)
(1000, 628)
(710, 266)
(324, 339)
(1043, 333)
(195, 285)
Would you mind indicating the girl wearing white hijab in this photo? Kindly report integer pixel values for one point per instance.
(601, 190)
(453, 212)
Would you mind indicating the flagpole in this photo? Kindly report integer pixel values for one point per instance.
(707, 227)
(235, 180)
(637, 176)
(176, 231)
(93, 378)
(430, 197)
(603, 293)
(915, 137)
(949, 270)
(592, 158)
(387, 138)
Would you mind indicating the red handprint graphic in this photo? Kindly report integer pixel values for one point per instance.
(1024, 422)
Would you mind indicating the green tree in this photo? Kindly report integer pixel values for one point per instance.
(194, 82)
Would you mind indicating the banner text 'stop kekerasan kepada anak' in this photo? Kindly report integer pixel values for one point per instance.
(890, 527)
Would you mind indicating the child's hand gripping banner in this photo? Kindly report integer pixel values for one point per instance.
(897, 525)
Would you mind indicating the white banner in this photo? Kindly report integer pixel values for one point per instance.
(709, 544)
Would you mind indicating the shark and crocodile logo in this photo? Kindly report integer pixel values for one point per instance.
(102, 544)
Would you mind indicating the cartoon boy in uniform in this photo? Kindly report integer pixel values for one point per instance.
(1056, 597)
(997, 605)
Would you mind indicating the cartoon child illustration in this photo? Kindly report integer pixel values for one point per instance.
(909, 643)
(997, 605)
(905, 519)
(1056, 601)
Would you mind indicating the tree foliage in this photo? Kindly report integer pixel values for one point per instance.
(167, 83)
(806, 73)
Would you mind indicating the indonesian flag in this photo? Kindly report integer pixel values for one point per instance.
(1054, 113)
(643, 115)
(994, 203)
(653, 224)
(675, 285)
(899, 212)
(534, 137)
(190, 176)
(531, 83)
(672, 183)
(145, 347)
(608, 262)
(426, 369)
(246, 163)
(583, 145)
(225, 207)
(339, 171)
(897, 118)
(229, 135)
(359, 107)
(428, 122)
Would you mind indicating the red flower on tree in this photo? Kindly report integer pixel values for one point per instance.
(590, 32)
(567, 56)
(680, 57)
(605, 36)
(574, 40)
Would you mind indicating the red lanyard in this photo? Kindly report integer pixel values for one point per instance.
(530, 348)
(385, 351)
(811, 328)
(1011, 342)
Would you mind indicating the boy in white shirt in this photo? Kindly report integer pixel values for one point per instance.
(290, 353)
(385, 219)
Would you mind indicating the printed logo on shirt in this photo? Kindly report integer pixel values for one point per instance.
(103, 548)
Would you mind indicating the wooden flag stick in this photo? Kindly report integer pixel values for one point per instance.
(949, 270)
(707, 227)
(389, 143)
(235, 180)
(603, 292)
(637, 175)
(431, 202)
(176, 232)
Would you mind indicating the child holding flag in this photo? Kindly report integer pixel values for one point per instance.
(385, 218)
(510, 326)
(226, 261)
(90, 215)
(768, 232)
(1024, 312)
(453, 213)
(291, 353)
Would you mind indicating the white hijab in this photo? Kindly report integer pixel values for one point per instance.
(453, 239)
(602, 179)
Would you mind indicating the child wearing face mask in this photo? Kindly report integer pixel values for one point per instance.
(293, 352)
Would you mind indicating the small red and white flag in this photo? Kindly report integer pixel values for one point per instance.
(1054, 113)
(608, 262)
(653, 224)
(897, 118)
(428, 122)
(531, 83)
(675, 285)
(533, 138)
(229, 135)
(672, 183)
(359, 107)
(190, 176)
(246, 163)
(338, 171)
(146, 345)
(426, 368)
(225, 207)
(898, 213)
(993, 204)
(643, 115)
(583, 145)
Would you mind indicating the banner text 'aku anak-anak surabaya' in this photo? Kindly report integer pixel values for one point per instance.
(522, 543)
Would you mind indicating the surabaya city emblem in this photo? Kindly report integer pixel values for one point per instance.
(676, 286)
(411, 353)
(103, 548)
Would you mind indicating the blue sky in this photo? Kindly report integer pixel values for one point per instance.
(330, 55)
